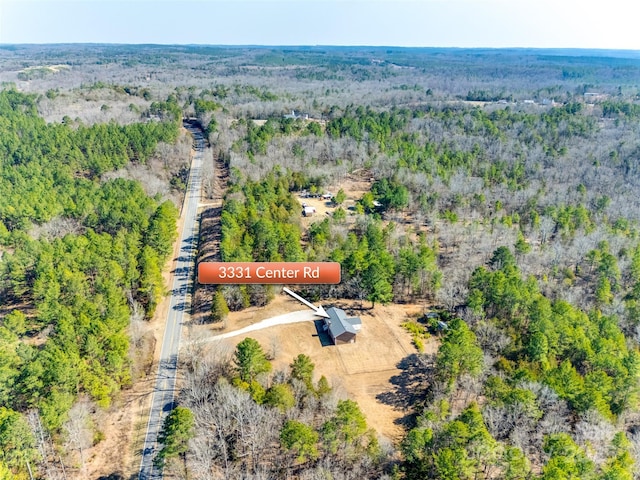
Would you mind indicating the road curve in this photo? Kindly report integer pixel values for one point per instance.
(162, 400)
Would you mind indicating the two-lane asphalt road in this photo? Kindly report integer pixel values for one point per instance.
(164, 390)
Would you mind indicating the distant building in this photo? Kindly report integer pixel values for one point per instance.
(294, 116)
(308, 211)
(341, 329)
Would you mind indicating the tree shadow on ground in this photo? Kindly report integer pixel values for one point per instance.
(189, 244)
(182, 307)
(208, 251)
(210, 235)
(410, 387)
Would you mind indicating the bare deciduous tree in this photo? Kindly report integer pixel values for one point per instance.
(79, 434)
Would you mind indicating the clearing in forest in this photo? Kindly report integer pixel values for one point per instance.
(373, 371)
(354, 185)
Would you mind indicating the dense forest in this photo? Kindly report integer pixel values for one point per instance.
(79, 255)
(540, 370)
(501, 192)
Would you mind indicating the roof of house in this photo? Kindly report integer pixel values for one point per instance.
(339, 323)
(354, 321)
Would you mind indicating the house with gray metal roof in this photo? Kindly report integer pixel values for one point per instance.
(341, 329)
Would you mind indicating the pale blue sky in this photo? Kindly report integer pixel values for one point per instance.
(429, 23)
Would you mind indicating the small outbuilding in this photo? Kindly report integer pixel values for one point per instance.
(341, 329)
(308, 211)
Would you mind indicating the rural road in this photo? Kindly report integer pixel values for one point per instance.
(163, 394)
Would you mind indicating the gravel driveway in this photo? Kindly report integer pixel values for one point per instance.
(292, 317)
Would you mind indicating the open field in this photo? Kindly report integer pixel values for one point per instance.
(365, 371)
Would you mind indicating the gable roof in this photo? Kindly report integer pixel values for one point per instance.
(355, 321)
(339, 323)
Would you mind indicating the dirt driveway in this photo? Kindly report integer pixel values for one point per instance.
(284, 319)
(366, 371)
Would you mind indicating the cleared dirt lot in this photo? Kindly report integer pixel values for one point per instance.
(354, 185)
(366, 371)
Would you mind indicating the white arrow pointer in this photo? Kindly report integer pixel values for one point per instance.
(320, 311)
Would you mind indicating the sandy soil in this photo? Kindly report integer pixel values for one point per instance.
(368, 371)
(284, 319)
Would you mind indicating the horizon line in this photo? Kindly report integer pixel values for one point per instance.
(302, 45)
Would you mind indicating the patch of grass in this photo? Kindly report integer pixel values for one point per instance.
(418, 334)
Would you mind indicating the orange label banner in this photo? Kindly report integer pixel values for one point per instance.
(286, 273)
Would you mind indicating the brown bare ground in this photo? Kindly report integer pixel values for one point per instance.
(373, 371)
(354, 185)
(208, 251)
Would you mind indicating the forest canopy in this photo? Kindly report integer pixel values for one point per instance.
(496, 190)
(70, 295)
